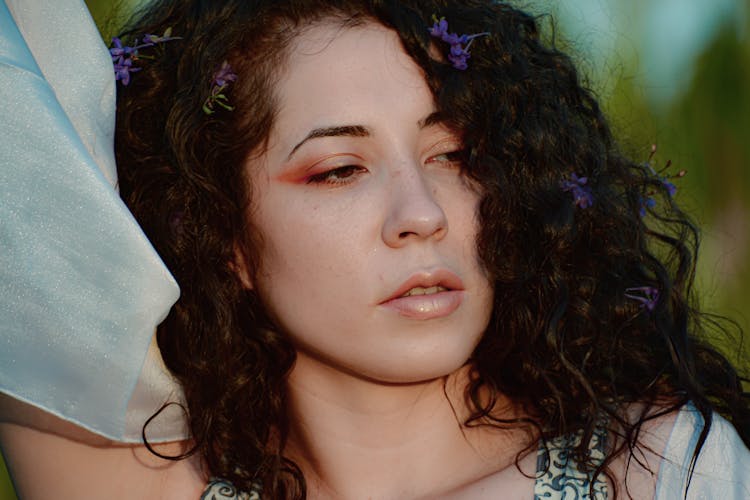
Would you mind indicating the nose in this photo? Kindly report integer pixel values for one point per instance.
(413, 212)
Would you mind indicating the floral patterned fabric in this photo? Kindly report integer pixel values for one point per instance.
(559, 477)
(218, 489)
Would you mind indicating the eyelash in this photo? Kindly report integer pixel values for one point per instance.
(334, 176)
(454, 158)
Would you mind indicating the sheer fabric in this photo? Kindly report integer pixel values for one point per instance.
(723, 467)
(82, 288)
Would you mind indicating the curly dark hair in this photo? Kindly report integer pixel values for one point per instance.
(564, 341)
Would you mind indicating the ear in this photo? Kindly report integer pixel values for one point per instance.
(240, 268)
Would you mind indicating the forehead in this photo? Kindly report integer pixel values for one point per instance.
(338, 74)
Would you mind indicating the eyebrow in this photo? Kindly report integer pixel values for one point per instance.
(339, 131)
(359, 130)
(432, 119)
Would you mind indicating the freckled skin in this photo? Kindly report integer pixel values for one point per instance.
(340, 242)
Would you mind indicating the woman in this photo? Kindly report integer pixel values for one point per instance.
(412, 263)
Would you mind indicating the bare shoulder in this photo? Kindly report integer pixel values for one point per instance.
(635, 472)
(50, 458)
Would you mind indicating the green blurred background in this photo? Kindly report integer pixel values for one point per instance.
(674, 73)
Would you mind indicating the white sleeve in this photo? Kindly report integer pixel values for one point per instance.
(81, 287)
(723, 468)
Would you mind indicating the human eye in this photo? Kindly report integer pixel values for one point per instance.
(337, 176)
(449, 156)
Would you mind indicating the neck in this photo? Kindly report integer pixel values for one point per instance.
(356, 438)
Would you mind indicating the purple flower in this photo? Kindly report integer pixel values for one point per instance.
(671, 188)
(118, 49)
(648, 296)
(581, 192)
(219, 82)
(225, 75)
(458, 53)
(645, 204)
(458, 56)
(454, 38)
(668, 185)
(459, 62)
(123, 68)
(440, 27)
(123, 55)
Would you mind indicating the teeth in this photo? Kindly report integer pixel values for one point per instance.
(418, 290)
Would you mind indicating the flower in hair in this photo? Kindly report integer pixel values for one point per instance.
(648, 296)
(123, 68)
(671, 188)
(118, 50)
(664, 180)
(440, 28)
(154, 39)
(219, 83)
(224, 75)
(578, 187)
(645, 204)
(123, 56)
(459, 44)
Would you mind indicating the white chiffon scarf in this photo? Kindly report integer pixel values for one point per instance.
(81, 287)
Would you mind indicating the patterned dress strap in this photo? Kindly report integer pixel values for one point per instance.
(219, 489)
(560, 477)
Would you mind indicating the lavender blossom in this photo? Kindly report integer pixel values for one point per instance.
(645, 204)
(458, 53)
(581, 192)
(225, 75)
(119, 50)
(671, 188)
(219, 83)
(123, 68)
(648, 296)
(453, 39)
(124, 55)
(440, 27)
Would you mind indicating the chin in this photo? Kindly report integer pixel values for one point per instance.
(411, 367)
(419, 352)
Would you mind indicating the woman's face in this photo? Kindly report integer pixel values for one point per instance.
(368, 259)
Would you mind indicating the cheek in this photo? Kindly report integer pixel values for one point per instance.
(462, 207)
(308, 260)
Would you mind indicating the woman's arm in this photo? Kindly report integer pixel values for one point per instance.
(51, 458)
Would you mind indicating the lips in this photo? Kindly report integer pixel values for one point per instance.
(418, 290)
(427, 295)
